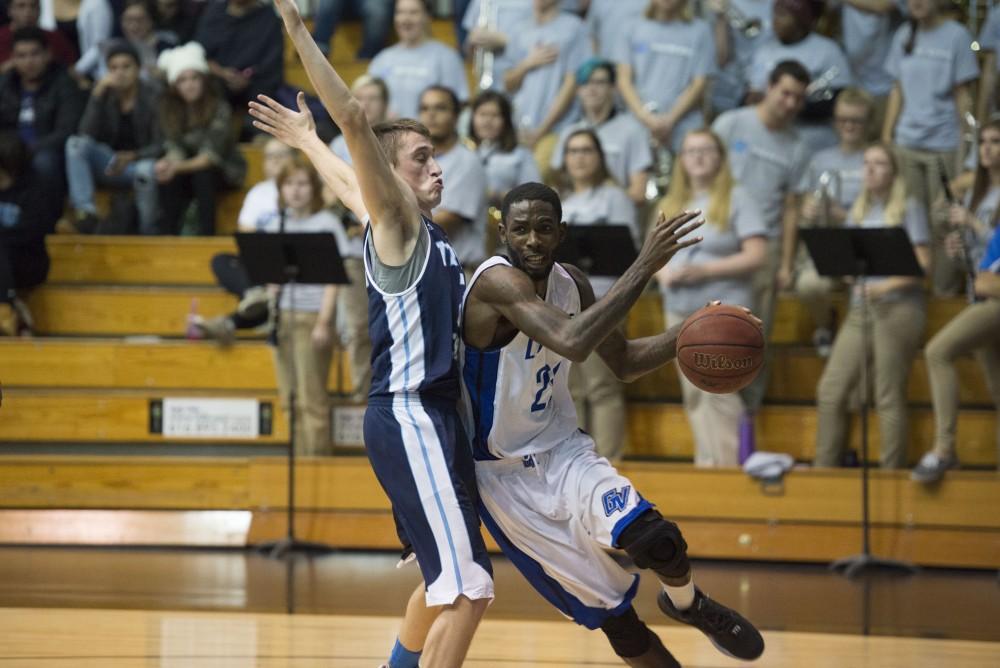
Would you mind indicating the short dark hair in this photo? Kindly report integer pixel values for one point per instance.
(792, 68)
(121, 47)
(390, 134)
(456, 105)
(30, 34)
(508, 136)
(530, 191)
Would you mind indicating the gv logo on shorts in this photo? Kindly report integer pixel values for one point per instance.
(615, 500)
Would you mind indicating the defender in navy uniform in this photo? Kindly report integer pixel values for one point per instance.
(414, 437)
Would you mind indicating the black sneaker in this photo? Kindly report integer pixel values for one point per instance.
(730, 632)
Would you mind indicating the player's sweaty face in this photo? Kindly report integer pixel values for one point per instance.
(416, 165)
(532, 232)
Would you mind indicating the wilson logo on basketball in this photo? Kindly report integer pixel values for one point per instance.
(721, 362)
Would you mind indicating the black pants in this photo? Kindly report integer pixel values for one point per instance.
(232, 276)
(175, 197)
(21, 267)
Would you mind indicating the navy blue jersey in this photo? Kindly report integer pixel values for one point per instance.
(414, 333)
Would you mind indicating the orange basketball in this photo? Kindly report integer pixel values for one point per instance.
(720, 348)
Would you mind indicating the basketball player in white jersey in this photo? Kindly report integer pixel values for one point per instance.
(414, 438)
(551, 503)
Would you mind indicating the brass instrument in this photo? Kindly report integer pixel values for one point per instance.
(483, 58)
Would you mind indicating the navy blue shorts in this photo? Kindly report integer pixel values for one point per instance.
(421, 456)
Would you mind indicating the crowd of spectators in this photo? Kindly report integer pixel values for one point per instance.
(761, 114)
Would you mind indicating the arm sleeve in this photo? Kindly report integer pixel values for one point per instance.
(965, 63)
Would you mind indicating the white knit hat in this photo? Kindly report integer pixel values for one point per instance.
(191, 56)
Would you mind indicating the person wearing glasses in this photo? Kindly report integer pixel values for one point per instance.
(832, 182)
(593, 198)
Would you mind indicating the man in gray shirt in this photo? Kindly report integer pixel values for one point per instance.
(462, 211)
(625, 141)
(767, 157)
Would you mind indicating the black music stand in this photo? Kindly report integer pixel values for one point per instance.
(598, 250)
(861, 253)
(287, 259)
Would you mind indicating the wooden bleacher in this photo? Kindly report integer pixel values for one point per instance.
(111, 322)
(813, 517)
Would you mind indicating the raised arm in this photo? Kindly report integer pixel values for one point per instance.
(510, 293)
(391, 205)
(298, 130)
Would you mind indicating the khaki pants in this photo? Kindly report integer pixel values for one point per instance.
(894, 333)
(714, 419)
(600, 405)
(352, 308)
(977, 330)
(765, 299)
(311, 369)
(922, 171)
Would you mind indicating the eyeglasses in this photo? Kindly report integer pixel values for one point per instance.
(581, 150)
(850, 120)
(596, 82)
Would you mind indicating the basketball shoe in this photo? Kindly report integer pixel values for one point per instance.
(730, 632)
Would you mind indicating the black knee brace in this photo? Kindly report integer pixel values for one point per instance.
(628, 635)
(657, 544)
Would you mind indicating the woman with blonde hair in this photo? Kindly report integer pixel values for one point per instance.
(305, 335)
(719, 268)
(896, 319)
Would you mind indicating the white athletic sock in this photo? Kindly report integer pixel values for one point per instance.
(682, 597)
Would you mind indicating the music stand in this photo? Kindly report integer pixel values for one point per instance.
(861, 253)
(598, 250)
(287, 259)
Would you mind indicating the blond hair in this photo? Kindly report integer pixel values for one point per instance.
(719, 194)
(895, 206)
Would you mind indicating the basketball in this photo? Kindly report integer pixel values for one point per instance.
(720, 348)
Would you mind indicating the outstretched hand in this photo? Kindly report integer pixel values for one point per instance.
(290, 127)
(667, 237)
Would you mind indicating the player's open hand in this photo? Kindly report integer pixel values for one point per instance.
(667, 236)
(290, 127)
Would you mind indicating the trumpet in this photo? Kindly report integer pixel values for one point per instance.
(827, 191)
(483, 60)
(820, 89)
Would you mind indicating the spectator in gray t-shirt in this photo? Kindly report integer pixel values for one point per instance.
(829, 71)
(492, 131)
(625, 141)
(767, 158)
(547, 50)
(416, 62)
(934, 70)
(895, 323)
(501, 24)
(593, 198)
(830, 184)
(462, 211)
(665, 63)
(733, 247)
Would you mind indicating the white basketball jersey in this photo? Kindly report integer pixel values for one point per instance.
(519, 393)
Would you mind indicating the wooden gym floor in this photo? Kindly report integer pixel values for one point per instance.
(178, 608)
